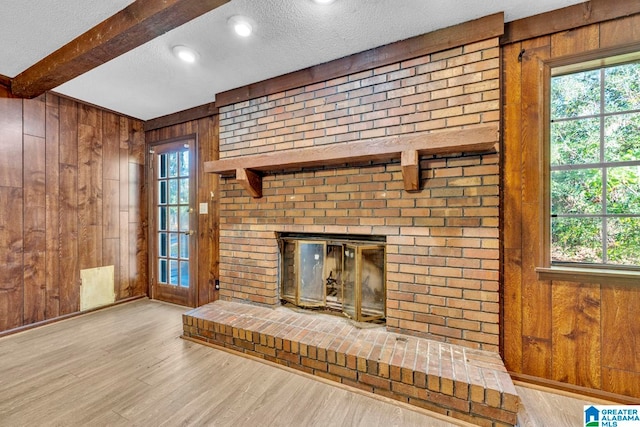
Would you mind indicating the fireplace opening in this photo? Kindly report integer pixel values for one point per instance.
(334, 273)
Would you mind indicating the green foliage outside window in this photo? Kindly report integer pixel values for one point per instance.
(595, 166)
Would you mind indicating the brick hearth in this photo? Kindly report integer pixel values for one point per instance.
(464, 383)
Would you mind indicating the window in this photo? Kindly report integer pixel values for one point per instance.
(595, 164)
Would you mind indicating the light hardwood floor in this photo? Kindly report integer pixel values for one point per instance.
(541, 408)
(126, 366)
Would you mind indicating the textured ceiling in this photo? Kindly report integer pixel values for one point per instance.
(289, 35)
(32, 29)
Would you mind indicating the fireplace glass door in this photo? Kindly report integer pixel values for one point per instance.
(371, 277)
(346, 277)
(349, 283)
(311, 274)
(303, 273)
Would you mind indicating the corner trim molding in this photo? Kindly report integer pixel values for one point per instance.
(567, 18)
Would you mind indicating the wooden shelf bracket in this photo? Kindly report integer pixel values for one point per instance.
(408, 148)
(251, 181)
(410, 163)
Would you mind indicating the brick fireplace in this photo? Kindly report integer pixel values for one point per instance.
(442, 241)
(406, 152)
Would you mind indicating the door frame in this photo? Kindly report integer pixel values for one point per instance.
(192, 140)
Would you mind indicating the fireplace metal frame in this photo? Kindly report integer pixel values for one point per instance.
(299, 273)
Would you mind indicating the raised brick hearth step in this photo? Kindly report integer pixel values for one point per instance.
(464, 383)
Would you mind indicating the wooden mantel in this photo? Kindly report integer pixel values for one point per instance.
(248, 169)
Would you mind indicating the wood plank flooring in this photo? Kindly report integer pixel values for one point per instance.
(541, 408)
(127, 366)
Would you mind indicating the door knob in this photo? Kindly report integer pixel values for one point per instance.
(188, 233)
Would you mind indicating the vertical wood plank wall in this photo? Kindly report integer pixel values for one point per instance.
(71, 197)
(206, 131)
(582, 334)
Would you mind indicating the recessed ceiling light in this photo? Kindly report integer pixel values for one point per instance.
(240, 25)
(323, 1)
(185, 54)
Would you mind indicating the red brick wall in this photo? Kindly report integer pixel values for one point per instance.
(442, 242)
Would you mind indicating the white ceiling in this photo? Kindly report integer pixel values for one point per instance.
(289, 35)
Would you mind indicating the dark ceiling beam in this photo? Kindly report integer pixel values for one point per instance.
(133, 26)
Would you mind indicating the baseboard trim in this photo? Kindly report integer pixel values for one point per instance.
(571, 390)
(66, 317)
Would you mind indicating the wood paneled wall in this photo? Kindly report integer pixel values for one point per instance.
(206, 131)
(582, 334)
(71, 198)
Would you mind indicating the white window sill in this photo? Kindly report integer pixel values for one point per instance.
(589, 275)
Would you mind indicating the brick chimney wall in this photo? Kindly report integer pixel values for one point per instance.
(442, 242)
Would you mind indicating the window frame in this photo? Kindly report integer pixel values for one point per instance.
(575, 271)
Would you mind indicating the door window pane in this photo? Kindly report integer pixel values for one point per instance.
(184, 163)
(184, 274)
(162, 166)
(162, 192)
(173, 245)
(162, 244)
(184, 246)
(172, 164)
(173, 272)
(162, 218)
(184, 191)
(184, 218)
(162, 271)
(173, 191)
(173, 218)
